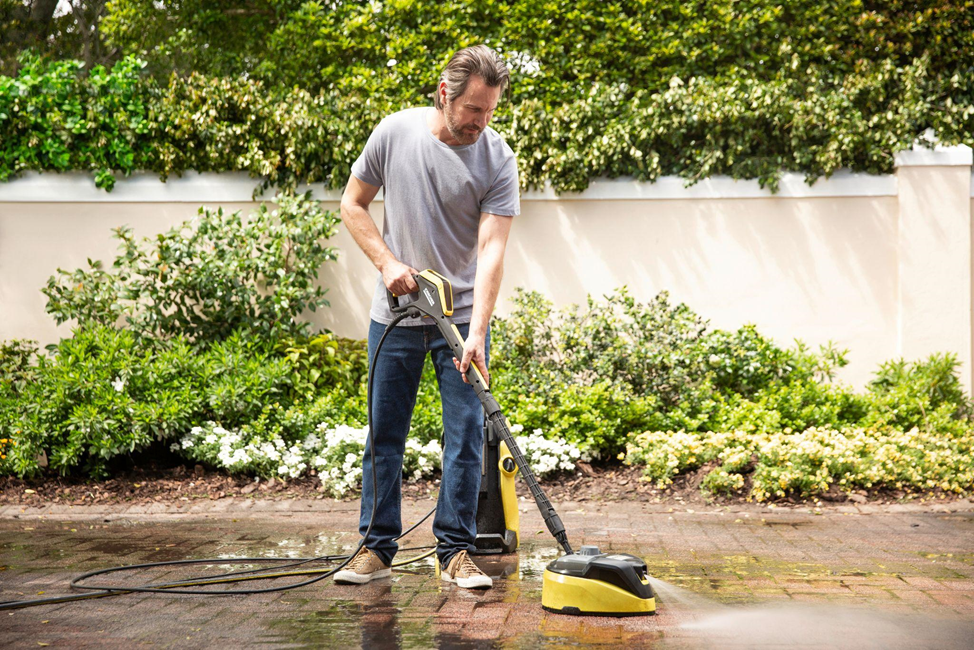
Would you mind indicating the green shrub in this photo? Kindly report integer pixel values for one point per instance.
(54, 119)
(214, 275)
(597, 419)
(100, 396)
(655, 348)
(105, 394)
(594, 376)
(642, 346)
(791, 407)
(810, 462)
(16, 365)
(919, 394)
(325, 362)
(333, 408)
(745, 362)
(240, 379)
(555, 49)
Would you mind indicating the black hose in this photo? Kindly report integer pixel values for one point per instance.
(173, 587)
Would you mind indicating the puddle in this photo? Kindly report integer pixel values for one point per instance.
(964, 558)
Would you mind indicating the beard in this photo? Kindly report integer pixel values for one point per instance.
(462, 133)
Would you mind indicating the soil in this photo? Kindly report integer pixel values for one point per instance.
(175, 484)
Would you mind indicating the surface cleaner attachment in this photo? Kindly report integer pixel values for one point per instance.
(583, 583)
(597, 584)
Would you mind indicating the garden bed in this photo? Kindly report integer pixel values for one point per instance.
(182, 484)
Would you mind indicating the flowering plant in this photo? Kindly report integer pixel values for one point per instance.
(810, 462)
(546, 456)
(334, 453)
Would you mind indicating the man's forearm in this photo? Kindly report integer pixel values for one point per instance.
(359, 223)
(490, 271)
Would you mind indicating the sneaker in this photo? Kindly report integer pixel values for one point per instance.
(364, 567)
(465, 573)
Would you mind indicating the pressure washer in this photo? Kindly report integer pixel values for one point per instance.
(586, 582)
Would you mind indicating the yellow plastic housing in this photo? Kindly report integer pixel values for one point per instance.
(443, 287)
(512, 518)
(592, 597)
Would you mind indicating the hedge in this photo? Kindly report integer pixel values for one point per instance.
(116, 122)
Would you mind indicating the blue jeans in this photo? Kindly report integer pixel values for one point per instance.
(397, 375)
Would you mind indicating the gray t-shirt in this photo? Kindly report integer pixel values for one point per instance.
(434, 194)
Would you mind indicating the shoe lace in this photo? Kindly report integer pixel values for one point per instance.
(360, 561)
(466, 564)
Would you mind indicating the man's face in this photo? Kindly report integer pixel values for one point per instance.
(468, 115)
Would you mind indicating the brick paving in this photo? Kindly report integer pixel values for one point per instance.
(739, 576)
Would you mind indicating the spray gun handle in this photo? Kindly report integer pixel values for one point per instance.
(393, 299)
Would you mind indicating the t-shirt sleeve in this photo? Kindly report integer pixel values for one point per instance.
(368, 167)
(503, 198)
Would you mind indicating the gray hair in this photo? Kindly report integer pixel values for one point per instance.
(477, 60)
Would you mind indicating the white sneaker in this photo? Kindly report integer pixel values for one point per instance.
(364, 567)
(465, 573)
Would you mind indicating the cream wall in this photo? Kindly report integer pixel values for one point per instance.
(880, 265)
(814, 268)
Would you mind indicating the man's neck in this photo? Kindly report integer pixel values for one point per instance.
(437, 126)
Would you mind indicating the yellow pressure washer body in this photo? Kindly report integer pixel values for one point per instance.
(584, 583)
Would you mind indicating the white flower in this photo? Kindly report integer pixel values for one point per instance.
(118, 384)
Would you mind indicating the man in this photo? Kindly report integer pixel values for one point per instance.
(450, 190)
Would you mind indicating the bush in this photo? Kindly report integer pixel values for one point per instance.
(241, 380)
(621, 366)
(210, 277)
(597, 419)
(16, 365)
(810, 462)
(746, 362)
(53, 118)
(791, 407)
(642, 346)
(104, 395)
(324, 362)
(99, 397)
(926, 394)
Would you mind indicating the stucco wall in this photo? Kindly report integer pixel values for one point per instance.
(876, 264)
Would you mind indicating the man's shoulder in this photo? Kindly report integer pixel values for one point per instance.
(399, 119)
(499, 149)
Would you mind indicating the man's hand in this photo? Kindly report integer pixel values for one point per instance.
(474, 350)
(398, 278)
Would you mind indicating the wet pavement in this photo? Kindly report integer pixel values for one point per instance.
(739, 576)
